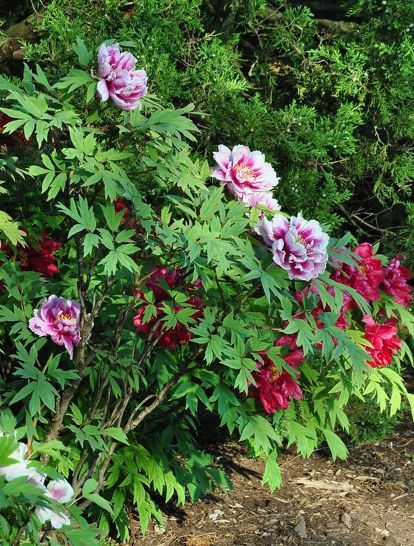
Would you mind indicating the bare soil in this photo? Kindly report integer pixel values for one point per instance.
(366, 500)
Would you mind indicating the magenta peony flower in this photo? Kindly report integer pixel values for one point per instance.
(276, 388)
(243, 172)
(120, 80)
(58, 318)
(395, 282)
(261, 199)
(366, 277)
(298, 245)
(384, 340)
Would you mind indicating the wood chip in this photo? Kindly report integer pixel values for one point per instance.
(327, 485)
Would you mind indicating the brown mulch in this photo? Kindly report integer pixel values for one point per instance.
(366, 500)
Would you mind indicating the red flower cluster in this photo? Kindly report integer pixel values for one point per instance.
(366, 277)
(370, 276)
(161, 279)
(41, 259)
(384, 340)
(275, 388)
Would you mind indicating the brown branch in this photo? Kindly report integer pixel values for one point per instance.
(358, 222)
(149, 409)
(130, 425)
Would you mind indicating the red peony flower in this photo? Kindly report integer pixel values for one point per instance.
(275, 388)
(122, 205)
(366, 277)
(295, 356)
(162, 277)
(384, 340)
(42, 259)
(395, 282)
(180, 334)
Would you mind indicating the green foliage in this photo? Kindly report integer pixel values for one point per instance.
(328, 101)
(368, 425)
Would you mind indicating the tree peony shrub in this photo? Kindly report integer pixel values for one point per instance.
(171, 297)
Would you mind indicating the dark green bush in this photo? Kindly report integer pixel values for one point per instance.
(324, 89)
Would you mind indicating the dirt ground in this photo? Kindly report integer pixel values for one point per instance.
(366, 500)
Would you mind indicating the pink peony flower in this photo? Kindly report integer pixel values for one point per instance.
(383, 337)
(395, 282)
(261, 199)
(120, 81)
(366, 277)
(243, 172)
(60, 491)
(298, 245)
(58, 318)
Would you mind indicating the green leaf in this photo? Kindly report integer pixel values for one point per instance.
(11, 229)
(75, 79)
(335, 444)
(84, 55)
(58, 185)
(211, 205)
(272, 474)
(89, 486)
(90, 242)
(117, 434)
(100, 501)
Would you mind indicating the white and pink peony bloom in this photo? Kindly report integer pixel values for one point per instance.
(60, 491)
(243, 172)
(261, 199)
(21, 467)
(298, 245)
(58, 318)
(120, 81)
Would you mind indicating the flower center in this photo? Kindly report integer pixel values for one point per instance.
(363, 268)
(301, 240)
(274, 373)
(66, 316)
(244, 172)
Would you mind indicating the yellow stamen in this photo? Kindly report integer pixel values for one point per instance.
(274, 372)
(244, 172)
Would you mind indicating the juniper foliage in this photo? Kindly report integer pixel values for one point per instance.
(325, 89)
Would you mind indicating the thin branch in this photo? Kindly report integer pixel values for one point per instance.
(149, 409)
